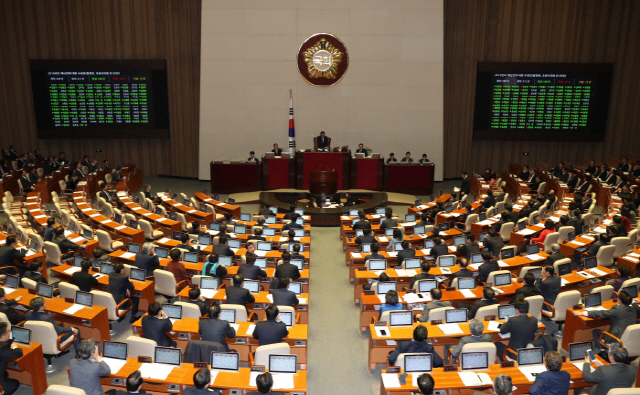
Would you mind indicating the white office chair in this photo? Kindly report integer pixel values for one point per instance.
(552, 238)
(531, 218)
(486, 310)
(514, 248)
(505, 231)
(241, 312)
(55, 389)
(564, 301)
(263, 352)
(105, 242)
(4, 318)
(140, 347)
(630, 340)
(526, 269)
(165, 283)
(149, 233)
(560, 262)
(38, 240)
(52, 254)
(68, 290)
(620, 243)
(630, 282)
(471, 218)
(186, 226)
(445, 256)
(189, 310)
(438, 314)
(633, 235)
(487, 347)
(563, 232)
(587, 218)
(535, 306)
(28, 283)
(624, 391)
(605, 255)
(605, 291)
(491, 211)
(492, 275)
(43, 332)
(115, 312)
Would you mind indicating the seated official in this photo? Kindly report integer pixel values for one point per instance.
(156, 324)
(100, 256)
(85, 371)
(264, 382)
(265, 211)
(63, 243)
(83, 279)
(525, 174)
(238, 295)
(252, 157)
(9, 253)
(184, 243)
(257, 235)
(282, 296)
(462, 219)
(406, 252)
(489, 201)
(407, 158)
(550, 285)
(289, 214)
(471, 246)
(463, 272)
(176, 267)
(522, 327)
(439, 248)
(121, 288)
(424, 160)
(213, 268)
(397, 238)
(556, 255)
(277, 151)
(554, 381)
(35, 272)
(375, 249)
(417, 345)
(222, 249)
(528, 289)
(389, 221)
(490, 265)
(361, 149)
(201, 381)
(624, 274)
(436, 295)
(502, 385)
(293, 224)
(6, 307)
(476, 327)
(8, 351)
(426, 384)
(488, 299)
(296, 252)
(287, 269)
(196, 229)
(133, 384)
(391, 302)
(38, 313)
(270, 331)
(392, 158)
(366, 238)
(249, 270)
(382, 278)
(24, 180)
(214, 329)
(618, 374)
(228, 219)
(323, 142)
(147, 259)
(362, 223)
(49, 230)
(620, 317)
(197, 299)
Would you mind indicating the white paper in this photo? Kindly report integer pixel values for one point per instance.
(94, 215)
(77, 239)
(127, 255)
(598, 272)
(530, 371)
(386, 329)
(105, 222)
(452, 249)
(635, 255)
(445, 270)
(8, 290)
(381, 297)
(426, 251)
(502, 263)
(260, 253)
(114, 364)
(467, 293)
(74, 309)
(595, 308)
(391, 380)
(382, 238)
(525, 232)
(472, 379)
(534, 257)
(208, 293)
(282, 381)
(214, 374)
(250, 329)
(391, 342)
(411, 272)
(392, 253)
(576, 242)
(580, 364)
(475, 266)
(40, 216)
(504, 335)
(356, 255)
(585, 274)
(252, 378)
(29, 253)
(137, 208)
(493, 326)
(450, 329)
(563, 282)
(84, 210)
(121, 227)
(270, 297)
(164, 240)
(220, 204)
(158, 371)
(72, 270)
(401, 273)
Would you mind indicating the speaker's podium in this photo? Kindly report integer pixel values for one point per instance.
(323, 182)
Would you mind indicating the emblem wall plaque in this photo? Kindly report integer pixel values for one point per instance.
(323, 59)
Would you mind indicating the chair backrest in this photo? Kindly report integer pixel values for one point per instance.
(587, 218)
(563, 232)
(500, 207)
(263, 352)
(105, 299)
(129, 217)
(108, 178)
(183, 197)
(542, 187)
(506, 229)
(605, 255)
(140, 347)
(400, 360)
(633, 235)
(620, 243)
(560, 262)
(183, 221)
(552, 238)
(629, 282)
(44, 333)
(526, 269)
(438, 314)
(624, 391)
(38, 239)
(195, 280)
(55, 389)
(491, 211)
(241, 311)
(482, 347)
(52, 253)
(542, 210)
(471, 218)
(4, 318)
(535, 306)
(630, 339)
(606, 292)
(565, 301)
(104, 240)
(531, 216)
(492, 275)
(486, 310)
(146, 228)
(68, 290)
(514, 248)
(443, 256)
(189, 310)
(29, 283)
(165, 283)
(62, 184)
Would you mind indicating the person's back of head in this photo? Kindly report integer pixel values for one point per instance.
(35, 265)
(549, 270)
(625, 298)
(250, 259)
(502, 385)
(522, 306)
(437, 241)
(154, 309)
(391, 297)
(228, 216)
(86, 264)
(366, 231)
(212, 258)
(185, 238)
(134, 381)
(553, 360)
(283, 283)
(51, 222)
(425, 266)
(488, 293)
(194, 293)
(604, 238)
(238, 279)
(286, 257)
(214, 310)
(98, 252)
(426, 384)
(476, 327)
(272, 312)
(58, 232)
(86, 349)
(486, 256)
(202, 378)
(175, 254)
(436, 293)
(375, 248)
(258, 232)
(624, 270)
(296, 248)
(619, 353)
(420, 333)
(463, 263)
(404, 244)
(264, 382)
(471, 238)
(388, 212)
(362, 215)
(383, 277)
(529, 279)
(222, 239)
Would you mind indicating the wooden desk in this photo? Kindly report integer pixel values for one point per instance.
(191, 214)
(225, 207)
(164, 224)
(413, 179)
(10, 184)
(333, 161)
(132, 180)
(235, 177)
(29, 368)
(367, 173)
(27, 259)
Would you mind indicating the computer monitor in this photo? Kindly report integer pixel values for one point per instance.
(88, 234)
(159, 211)
(177, 235)
(477, 258)
(298, 262)
(116, 350)
(585, 228)
(228, 315)
(564, 268)
(231, 201)
(46, 291)
(227, 361)
(418, 363)
(209, 283)
(426, 285)
(446, 261)
(401, 318)
(474, 360)
(482, 236)
(629, 247)
(448, 209)
(214, 226)
(295, 287)
(273, 209)
(631, 290)
(535, 219)
(444, 226)
(533, 248)
(592, 299)
(270, 219)
(168, 356)
(365, 248)
(506, 310)
(118, 218)
(300, 221)
(353, 212)
(359, 232)
(246, 217)
(33, 245)
(216, 196)
(354, 221)
(162, 252)
(21, 335)
(571, 236)
(77, 261)
(291, 245)
(138, 274)
(299, 211)
(522, 225)
(418, 230)
(380, 210)
(279, 363)
(187, 202)
(204, 240)
(261, 263)
(286, 317)
(428, 243)
(133, 224)
(172, 310)
(459, 240)
(482, 216)
(252, 285)
(590, 262)
(507, 253)
(11, 282)
(577, 351)
(84, 298)
(266, 231)
(466, 282)
(412, 263)
(190, 257)
(225, 260)
(409, 218)
(397, 247)
(173, 216)
(388, 232)
(298, 233)
(386, 286)
(134, 247)
(240, 229)
(537, 272)
(530, 356)
(455, 316)
(502, 279)
(377, 264)
(107, 268)
(71, 227)
(234, 243)
(264, 245)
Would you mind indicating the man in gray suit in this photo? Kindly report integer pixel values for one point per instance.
(620, 317)
(476, 327)
(214, 329)
(502, 385)
(85, 372)
(616, 375)
(436, 294)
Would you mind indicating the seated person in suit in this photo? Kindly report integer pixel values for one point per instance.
(265, 211)
(214, 329)
(489, 201)
(35, 272)
(147, 259)
(397, 238)
(270, 331)
(494, 241)
(296, 252)
(6, 307)
(461, 224)
(323, 142)
(564, 221)
(425, 266)
(276, 150)
(556, 255)
(533, 186)
(184, 243)
(286, 269)
(522, 327)
(525, 174)
(527, 210)
(252, 157)
(38, 313)
(392, 158)
(291, 237)
(383, 277)
(201, 381)
(389, 221)
(87, 368)
(407, 158)
(554, 381)
(549, 227)
(620, 317)
(476, 327)
(595, 247)
(424, 220)
(471, 246)
(292, 210)
(424, 160)
(417, 345)
(617, 374)
(264, 382)
(406, 252)
(156, 324)
(489, 265)
(249, 270)
(439, 248)
(375, 248)
(117, 175)
(196, 229)
(436, 295)
(488, 299)
(238, 295)
(9, 253)
(528, 289)
(624, 273)
(228, 219)
(100, 256)
(293, 224)
(257, 235)
(363, 222)
(366, 238)
(198, 300)
(361, 149)
(176, 267)
(121, 288)
(391, 302)
(72, 184)
(282, 296)
(83, 279)
(63, 243)
(463, 272)
(49, 230)
(78, 172)
(213, 268)
(222, 249)
(549, 285)
(133, 384)
(24, 180)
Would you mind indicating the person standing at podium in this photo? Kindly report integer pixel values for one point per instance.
(277, 151)
(323, 142)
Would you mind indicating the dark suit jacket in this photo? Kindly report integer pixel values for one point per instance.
(284, 297)
(292, 225)
(463, 272)
(84, 280)
(287, 270)
(481, 303)
(64, 244)
(421, 276)
(277, 152)
(239, 295)
(118, 286)
(361, 224)
(489, 201)
(7, 353)
(486, 268)
(551, 383)
(595, 247)
(465, 186)
(147, 262)
(8, 254)
(550, 288)
(525, 291)
(26, 183)
(323, 142)
(49, 232)
(222, 250)
(522, 329)
(620, 317)
(156, 329)
(618, 375)
(494, 244)
(14, 317)
(270, 332)
(43, 316)
(35, 276)
(122, 392)
(258, 238)
(204, 308)
(365, 239)
(187, 247)
(406, 253)
(389, 223)
(414, 346)
(79, 173)
(437, 251)
(215, 330)
(251, 272)
(469, 248)
(202, 391)
(106, 196)
(551, 259)
(577, 224)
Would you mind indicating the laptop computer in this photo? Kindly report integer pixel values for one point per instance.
(168, 356)
(577, 351)
(46, 291)
(246, 217)
(365, 248)
(118, 218)
(466, 282)
(533, 248)
(418, 230)
(522, 225)
(266, 231)
(225, 260)
(225, 361)
(234, 243)
(482, 236)
(409, 218)
(115, 350)
(446, 261)
(286, 317)
(426, 285)
(477, 258)
(21, 335)
(173, 311)
(631, 290)
(295, 287)
(507, 253)
(134, 248)
(77, 261)
(228, 315)
(88, 234)
(299, 211)
(138, 274)
(474, 360)
(571, 236)
(455, 316)
(252, 285)
(177, 235)
(298, 262)
(133, 224)
(530, 356)
(502, 279)
(173, 216)
(359, 232)
(537, 272)
(209, 283)
(482, 216)
(418, 363)
(397, 247)
(380, 210)
(214, 226)
(564, 268)
(162, 252)
(261, 263)
(11, 282)
(377, 264)
(401, 318)
(298, 233)
(240, 229)
(386, 286)
(300, 221)
(270, 219)
(204, 240)
(506, 310)
(264, 245)
(459, 240)
(353, 212)
(388, 232)
(445, 226)
(84, 298)
(190, 257)
(412, 263)
(592, 299)
(280, 363)
(428, 243)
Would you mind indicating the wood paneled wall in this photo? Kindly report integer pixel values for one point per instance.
(104, 29)
(539, 31)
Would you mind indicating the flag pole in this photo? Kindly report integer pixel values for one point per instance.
(292, 130)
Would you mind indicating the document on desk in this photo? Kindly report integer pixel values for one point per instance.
(411, 272)
(383, 238)
(563, 282)
(580, 364)
(450, 329)
(356, 255)
(525, 232)
(452, 249)
(302, 300)
(555, 219)
(208, 293)
(475, 266)
(84, 210)
(235, 327)
(531, 371)
(220, 204)
(401, 272)
(473, 379)
(40, 216)
(214, 374)
(426, 251)
(379, 329)
(77, 239)
(598, 272)
(392, 253)
(415, 298)
(94, 215)
(157, 371)
(260, 253)
(467, 293)
(391, 380)
(8, 290)
(137, 208)
(72, 270)
(121, 227)
(106, 222)
(74, 308)
(381, 297)
(493, 326)
(502, 263)
(127, 255)
(282, 381)
(577, 243)
(250, 329)
(595, 308)
(270, 297)
(585, 274)
(114, 364)
(534, 257)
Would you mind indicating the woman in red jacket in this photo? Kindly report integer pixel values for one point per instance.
(549, 227)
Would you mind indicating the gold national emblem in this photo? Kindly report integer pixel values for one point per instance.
(322, 60)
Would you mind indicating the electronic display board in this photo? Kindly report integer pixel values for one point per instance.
(100, 98)
(542, 101)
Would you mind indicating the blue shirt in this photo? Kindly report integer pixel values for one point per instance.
(391, 307)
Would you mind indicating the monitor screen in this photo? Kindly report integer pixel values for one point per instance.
(522, 225)
(204, 240)
(482, 236)
(299, 211)
(214, 226)
(412, 263)
(445, 226)
(252, 285)
(585, 229)
(77, 260)
(386, 286)
(159, 211)
(283, 363)
(168, 355)
(173, 216)
(377, 264)
(270, 220)
(418, 363)
(530, 356)
(118, 218)
(466, 282)
(564, 268)
(84, 298)
(46, 291)
(172, 310)
(298, 262)
(380, 210)
(240, 229)
(286, 317)
(571, 236)
(409, 218)
(187, 202)
(209, 282)
(225, 361)
(88, 234)
(300, 221)
(228, 315)
(446, 260)
(21, 335)
(246, 217)
(401, 318)
(132, 224)
(506, 310)
(593, 299)
(631, 290)
(268, 231)
(353, 212)
(366, 248)
(273, 209)
(459, 240)
(533, 248)
(629, 247)
(428, 243)
(359, 232)
(426, 285)
(11, 281)
(577, 351)
(225, 260)
(298, 233)
(502, 279)
(354, 221)
(397, 247)
(190, 257)
(134, 247)
(138, 274)
(474, 360)
(115, 350)
(234, 243)
(177, 235)
(261, 263)
(388, 232)
(231, 201)
(264, 246)
(455, 316)
(482, 216)
(33, 245)
(418, 229)
(295, 287)
(476, 258)
(72, 227)
(537, 272)
(507, 253)
(162, 252)
(535, 219)
(292, 245)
